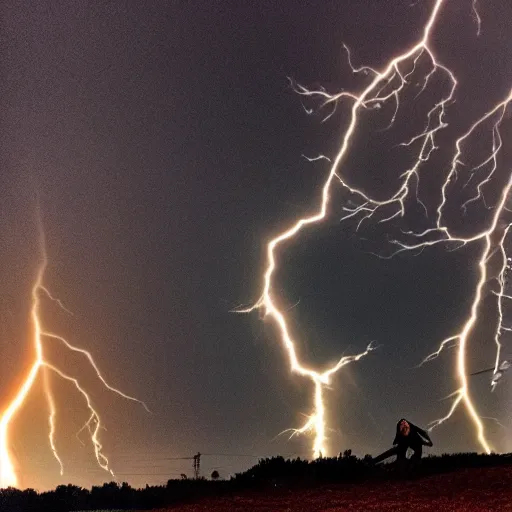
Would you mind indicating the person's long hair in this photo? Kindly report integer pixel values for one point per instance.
(412, 427)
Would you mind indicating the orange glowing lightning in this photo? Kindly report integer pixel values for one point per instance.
(8, 475)
(387, 85)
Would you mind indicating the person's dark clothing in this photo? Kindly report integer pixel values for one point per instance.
(416, 439)
(400, 452)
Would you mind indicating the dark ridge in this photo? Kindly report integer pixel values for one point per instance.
(270, 473)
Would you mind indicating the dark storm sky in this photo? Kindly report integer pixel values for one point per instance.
(164, 143)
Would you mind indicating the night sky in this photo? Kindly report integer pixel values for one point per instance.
(163, 143)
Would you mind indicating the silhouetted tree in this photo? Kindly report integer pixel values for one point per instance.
(215, 475)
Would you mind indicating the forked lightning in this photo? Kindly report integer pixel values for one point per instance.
(41, 367)
(387, 85)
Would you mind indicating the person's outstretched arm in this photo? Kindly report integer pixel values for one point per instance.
(426, 437)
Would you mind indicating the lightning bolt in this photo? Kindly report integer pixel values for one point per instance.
(502, 297)
(477, 17)
(387, 85)
(462, 395)
(40, 364)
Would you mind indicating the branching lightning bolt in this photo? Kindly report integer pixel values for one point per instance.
(8, 476)
(387, 85)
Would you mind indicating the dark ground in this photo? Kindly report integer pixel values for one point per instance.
(482, 489)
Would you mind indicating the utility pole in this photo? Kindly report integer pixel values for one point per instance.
(197, 465)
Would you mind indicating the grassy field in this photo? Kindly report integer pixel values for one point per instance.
(485, 489)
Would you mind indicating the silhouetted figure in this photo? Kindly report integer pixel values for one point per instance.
(407, 436)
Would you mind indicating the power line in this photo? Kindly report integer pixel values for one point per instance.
(231, 455)
(161, 458)
(254, 456)
(147, 474)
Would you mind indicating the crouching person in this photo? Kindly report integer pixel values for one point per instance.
(407, 436)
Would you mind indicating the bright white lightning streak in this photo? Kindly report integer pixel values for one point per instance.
(100, 458)
(447, 343)
(381, 89)
(463, 392)
(462, 395)
(501, 297)
(373, 94)
(51, 418)
(94, 365)
(500, 107)
(477, 17)
(316, 158)
(8, 476)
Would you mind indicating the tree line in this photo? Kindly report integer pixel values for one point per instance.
(270, 473)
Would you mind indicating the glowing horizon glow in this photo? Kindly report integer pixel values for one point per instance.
(8, 476)
(384, 86)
